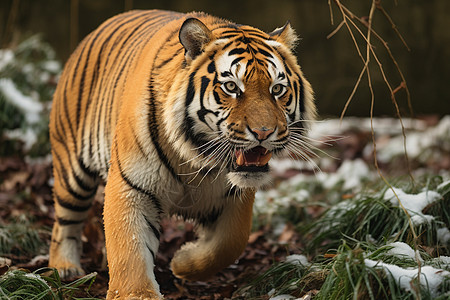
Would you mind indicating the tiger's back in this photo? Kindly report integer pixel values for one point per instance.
(180, 114)
(91, 90)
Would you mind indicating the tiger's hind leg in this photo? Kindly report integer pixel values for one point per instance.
(220, 243)
(73, 193)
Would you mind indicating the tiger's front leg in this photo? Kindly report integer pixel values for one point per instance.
(131, 221)
(220, 243)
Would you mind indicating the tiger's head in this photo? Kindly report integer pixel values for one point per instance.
(243, 100)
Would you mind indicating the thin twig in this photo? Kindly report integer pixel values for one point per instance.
(347, 18)
(386, 46)
(331, 12)
(385, 14)
(336, 30)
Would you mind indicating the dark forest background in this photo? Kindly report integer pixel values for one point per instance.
(332, 65)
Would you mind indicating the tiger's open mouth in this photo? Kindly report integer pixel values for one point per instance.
(253, 160)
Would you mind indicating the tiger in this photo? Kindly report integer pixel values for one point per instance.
(179, 114)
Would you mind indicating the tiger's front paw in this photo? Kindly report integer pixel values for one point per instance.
(116, 296)
(71, 272)
(68, 271)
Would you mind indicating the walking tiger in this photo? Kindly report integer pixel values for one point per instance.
(179, 114)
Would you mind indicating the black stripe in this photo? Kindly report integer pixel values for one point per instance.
(226, 74)
(288, 103)
(265, 53)
(65, 222)
(237, 51)
(229, 36)
(65, 178)
(71, 206)
(154, 134)
(208, 219)
(301, 99)
(66, 109)
(125, 178)
(188, 124)
(236, 60)
(86, 170)
(211, 66)
(153, 228)
(227, 45)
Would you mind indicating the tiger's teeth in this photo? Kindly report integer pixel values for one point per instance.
(240, 158)
(264, 159)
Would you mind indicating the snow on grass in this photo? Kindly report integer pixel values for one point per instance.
(382, 126)
(298, 260)
(419, 144)
(443, 235)
(28, 136)
(37, 277)
(413, 203)
(403, 250)
(283, 297)
(442, 185)
(30, 107)
(6, 57)
(351, 173)
(430, 277)
(442, 261)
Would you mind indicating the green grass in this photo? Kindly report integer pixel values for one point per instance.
(20, 237)
(360, 227)
(20, 284)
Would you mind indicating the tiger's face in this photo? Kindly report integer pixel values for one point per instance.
(246, 102)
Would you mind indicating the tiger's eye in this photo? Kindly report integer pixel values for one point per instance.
(231, 87)
(277, 89)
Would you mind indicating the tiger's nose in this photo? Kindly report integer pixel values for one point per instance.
(262, 133)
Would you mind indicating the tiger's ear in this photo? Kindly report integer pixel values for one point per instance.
(194, 36)
(285, 35)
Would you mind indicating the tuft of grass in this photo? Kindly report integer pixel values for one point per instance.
(368, 217)
(354, 232)
(343, 274)
(281, 278)
(20, 284)
(20, 238)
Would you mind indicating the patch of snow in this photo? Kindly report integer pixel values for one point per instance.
(442, 185)
(282, 297)
(429, 277)
(413, 203)
(37, 277)
(52, 66)
(370, 239)
(396, 146)
(279, 166)
(297, 259)
(351, 173)
(443, 235)
(30, 107)
(27, 136)
(402, 249)
(417, 143)
(382, 126)
(284, 196)
(39, 258)
(6, 57)
(443, 261)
